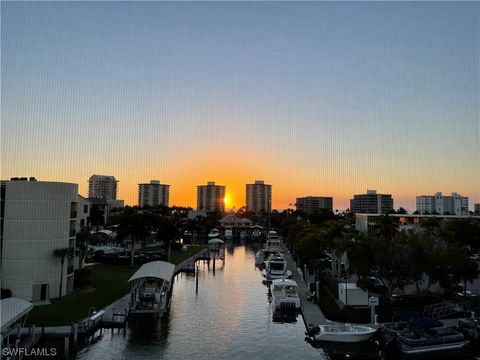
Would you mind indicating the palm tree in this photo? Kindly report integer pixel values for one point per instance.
(332, 236)
(134, 224)
(81, 243)
(168, 231)
(61, 254)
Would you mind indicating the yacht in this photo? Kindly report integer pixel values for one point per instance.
(284, 295)
(276, 267)
(345, 333)
(213, 234)
(273, 239)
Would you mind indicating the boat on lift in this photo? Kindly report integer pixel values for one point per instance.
(151, 288)
(214, 234)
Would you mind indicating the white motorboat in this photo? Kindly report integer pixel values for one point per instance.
(261, 256)
(228, 234)
(213, 234)
(273, 239)
(276, 267)
(284, 295)
(345, 333)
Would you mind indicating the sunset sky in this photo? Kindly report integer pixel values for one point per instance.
(315, 98)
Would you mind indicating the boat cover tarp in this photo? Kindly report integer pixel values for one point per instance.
(11, 310)
(155, 269)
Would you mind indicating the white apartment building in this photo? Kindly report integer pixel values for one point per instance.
(259, 197)
(39, 217)
(211, 197)
(443, 205)
(153, 194)
(102, 186)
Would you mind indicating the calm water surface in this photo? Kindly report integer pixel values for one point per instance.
(229, 318)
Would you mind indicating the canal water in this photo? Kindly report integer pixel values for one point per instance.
(229, 318)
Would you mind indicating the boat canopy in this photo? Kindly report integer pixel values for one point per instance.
(12, 309)
(155, 269)
(216, 241)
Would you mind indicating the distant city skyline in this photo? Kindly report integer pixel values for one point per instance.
(316, 98)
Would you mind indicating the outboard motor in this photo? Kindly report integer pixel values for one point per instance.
(312, 331)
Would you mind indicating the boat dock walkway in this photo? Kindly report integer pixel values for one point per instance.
(311, 312)
(188, 265)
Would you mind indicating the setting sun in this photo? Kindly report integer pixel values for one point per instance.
(228, 201)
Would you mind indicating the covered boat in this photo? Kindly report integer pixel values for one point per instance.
(215, 244)
(214, 233)
(345, 333)
(151, 288)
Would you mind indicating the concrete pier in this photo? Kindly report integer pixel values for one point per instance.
(311, 312)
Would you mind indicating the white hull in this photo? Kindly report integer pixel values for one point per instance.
(344, 333)
(433, 348)
(347, 338)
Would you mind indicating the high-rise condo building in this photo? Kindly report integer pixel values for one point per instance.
(371, 203)
(313, 204)
(153, 194)
(476, 209)
(455, 204)
(39, 222)
(259, 197)
(102, 187)
(211, 197)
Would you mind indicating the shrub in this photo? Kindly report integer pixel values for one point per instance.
(6, 293)
(82, 277)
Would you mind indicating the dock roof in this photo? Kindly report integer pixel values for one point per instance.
(12, 309)
(155, 269)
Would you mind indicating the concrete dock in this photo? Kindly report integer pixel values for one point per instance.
(311, 312)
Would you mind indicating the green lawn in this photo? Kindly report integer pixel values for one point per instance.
(176, 257)
(110, 283)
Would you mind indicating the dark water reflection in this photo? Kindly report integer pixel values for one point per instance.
(229, 318)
